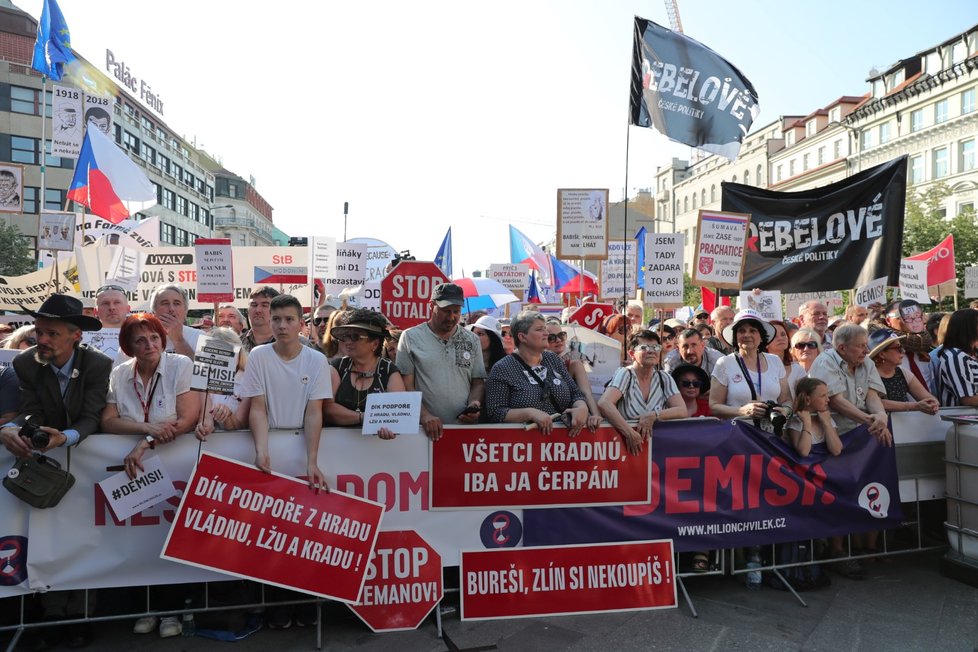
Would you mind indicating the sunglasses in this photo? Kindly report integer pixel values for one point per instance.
(690, 383)
(669, 338)
(106, 288)
(556, 337)
(897, 347)
(319, 321)
(648, 348)
(801, 346)
(350, 337)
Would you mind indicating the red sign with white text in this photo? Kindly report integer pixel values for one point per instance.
(590, 315)
(404, 583)
(272, 528)
(502, 467)
(940, 262)
(559, 580)
(406, 291)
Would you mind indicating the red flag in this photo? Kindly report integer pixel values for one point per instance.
(940, 262)
(709, 299)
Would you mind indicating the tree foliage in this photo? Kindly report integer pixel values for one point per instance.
(15, 257)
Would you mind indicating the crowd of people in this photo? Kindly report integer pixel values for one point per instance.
(808, 380)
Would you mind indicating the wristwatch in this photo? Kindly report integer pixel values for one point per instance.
(151, 441)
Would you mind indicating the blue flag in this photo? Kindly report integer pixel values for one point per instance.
(444, 256)
(640, 244)
(52, 50)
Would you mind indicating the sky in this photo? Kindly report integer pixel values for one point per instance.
(438, 114)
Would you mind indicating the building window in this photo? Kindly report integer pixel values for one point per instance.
(835, 114)
(54, 199)
(810, 127)
(159, 192)
(789, 138)
(703, 197)
(791, 168)
(677, 207)
(867, 139)
(940, 162)
(242, 240)
(194, 211)
(130, 142)
(968, 101)
(30, 199)
(148, 153)
(168, 236)
(966, 206)
(916, 120)
(821, 155)
(966, 155)
(940, 112)
(178, 172)
(837, 150)
(182, 205)
(23, 150)
(23, 100)
(780, 168)
(143, 120)
(685, 204)
(734, 179)
(746, 177)
(169, 199)
(916, 169)
(806, 160)
(884, 132)
(713, 193)
(760, 176)
(941, 212)
(694, 201)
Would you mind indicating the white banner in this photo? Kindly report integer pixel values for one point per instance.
(125, 268)
(872, 292)
(913, 280)
(322, 256)
(582, 224)
(792, 302)
(619, 271)
(66, 121)
(104, 552)
(664, 269)
(766, 303)
(350, 269)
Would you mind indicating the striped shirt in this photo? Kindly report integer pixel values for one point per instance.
(957, 376)
(633, 404)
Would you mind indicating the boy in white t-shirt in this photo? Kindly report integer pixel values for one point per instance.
(287, 383)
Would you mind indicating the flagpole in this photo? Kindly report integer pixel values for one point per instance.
(44, 137)
(624, 234)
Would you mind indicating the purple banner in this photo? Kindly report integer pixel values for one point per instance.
(722, 484)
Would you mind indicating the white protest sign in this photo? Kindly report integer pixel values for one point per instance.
(66, 121)
(664, 269)
(913, 280)
(766, 302)
(98, 112)
(56, 231)
(215, 365)
(369, 297)
(322, 256)
(399, 412)
(793, 302)
(350, 269)
(105, 340)
(215, 270)
(125, 268)
(128, 497)
(514, 277)
(619, 271)
(720, 249)
(7, 357)
(582, 224)
(872, 292)
(970, 282)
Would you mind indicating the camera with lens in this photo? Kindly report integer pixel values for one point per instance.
(777, 419)
(33, 433)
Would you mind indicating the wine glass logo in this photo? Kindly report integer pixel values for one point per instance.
(501, 530)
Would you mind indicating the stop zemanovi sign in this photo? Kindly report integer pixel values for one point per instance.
(403, 583)
(406, 292)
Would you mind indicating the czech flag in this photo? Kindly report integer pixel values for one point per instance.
(524, 250)
(533, 294)
(107, 181)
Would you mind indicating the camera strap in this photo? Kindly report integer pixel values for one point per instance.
(750, 382)
(547, 394)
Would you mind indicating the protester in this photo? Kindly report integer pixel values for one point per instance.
(321, 320)
(507, 335)
(615, 327)
(63, 384)
(700, 317)
(329, 346)
(720, 318)
(487, 329)
(22, 338)
(907, 318)
(635, 312)
(361, 370)
(229, 412)
(957, 368)
(780, 344)
(692, 350)
(390, 344)
(532, 385)
(230, 317)
(811, 422)
(444, 362)
(694, 387)
(259, 317)
(903, 392)
(806, 346)
(667, 335)
(169, 303)
(557, 341)
(111, 305)
(937, 333)
(744, 383)
(815, 315)
(856, 314)
(149, 394)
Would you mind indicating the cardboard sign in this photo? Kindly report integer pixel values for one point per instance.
(67, 121)
(215, 366)
(404, 583)
(913, 280)
(215, 270)
(793, 302)
(970, 282)
(619, 272)
(582, 224)
(514, 277)
(590, 315)
(151, 487)
(399, 412)
(664, 269)
(499, 467)
(272, 528)
(562, 580)
(720, 249)
(350, 268)
(56, 231)
(405, 293)
(872, 292)
(766, 303)
(322, 256)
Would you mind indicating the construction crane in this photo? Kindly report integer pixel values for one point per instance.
(672, 11)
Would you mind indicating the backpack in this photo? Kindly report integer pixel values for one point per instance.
(801, 578)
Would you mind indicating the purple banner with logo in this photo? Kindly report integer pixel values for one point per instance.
(723, 484)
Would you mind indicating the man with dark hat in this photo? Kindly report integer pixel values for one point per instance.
(443, 362)
(63, 383)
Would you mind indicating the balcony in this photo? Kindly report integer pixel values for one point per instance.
(259, 226)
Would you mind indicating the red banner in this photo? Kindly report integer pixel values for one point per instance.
(272, 528)
(557, 580)
(590, 315)
(940, 262)
(496, 467)
(404, 583)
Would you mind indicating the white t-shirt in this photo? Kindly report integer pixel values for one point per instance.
(797, 373)
(286, 385)
(729, 374)
(174, 373)
(794, 423)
